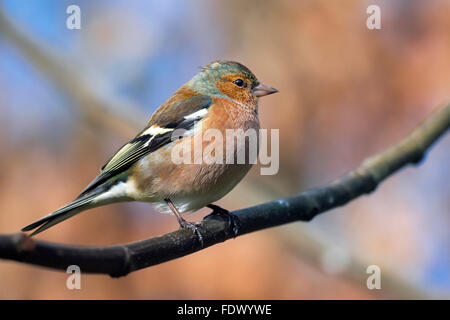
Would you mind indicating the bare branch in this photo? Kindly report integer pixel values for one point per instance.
(120, 260)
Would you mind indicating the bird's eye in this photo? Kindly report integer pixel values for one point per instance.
(239, 82)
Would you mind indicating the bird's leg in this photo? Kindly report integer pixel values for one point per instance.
(233, 220)
(183, 223)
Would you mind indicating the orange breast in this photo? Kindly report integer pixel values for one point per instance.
(161, 177)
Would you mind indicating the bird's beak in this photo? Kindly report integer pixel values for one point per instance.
(262, 90)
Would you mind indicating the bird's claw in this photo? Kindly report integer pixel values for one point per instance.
(192, 226)
(233, 220)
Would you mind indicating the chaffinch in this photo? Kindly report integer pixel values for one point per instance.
(223, 95)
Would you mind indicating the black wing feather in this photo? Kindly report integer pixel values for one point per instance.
(144, 144)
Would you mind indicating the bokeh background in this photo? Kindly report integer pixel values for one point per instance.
(70, 98)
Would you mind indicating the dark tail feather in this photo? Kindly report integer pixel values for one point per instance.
(78, 205)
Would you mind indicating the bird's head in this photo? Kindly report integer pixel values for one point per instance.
(230, 80)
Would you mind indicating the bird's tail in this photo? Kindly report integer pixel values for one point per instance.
(78, 205)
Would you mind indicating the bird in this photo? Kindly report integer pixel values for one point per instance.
(222, 96)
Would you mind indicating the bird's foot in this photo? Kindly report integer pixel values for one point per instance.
(233, 220)
(192, 226)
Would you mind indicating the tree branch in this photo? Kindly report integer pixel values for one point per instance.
(119, 260)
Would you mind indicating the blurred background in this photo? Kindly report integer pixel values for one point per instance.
(70, 98)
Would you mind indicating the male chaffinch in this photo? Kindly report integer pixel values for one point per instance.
(223, 95)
